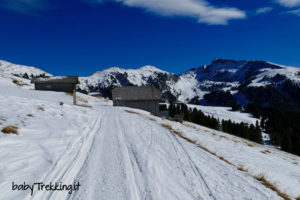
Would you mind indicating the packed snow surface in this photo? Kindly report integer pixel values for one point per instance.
(123, 153)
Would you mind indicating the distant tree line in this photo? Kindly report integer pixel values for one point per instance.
(220, 98)
(284, 126)
(243, 130)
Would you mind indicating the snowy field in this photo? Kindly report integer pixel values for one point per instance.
(225, 113)
(122, 153)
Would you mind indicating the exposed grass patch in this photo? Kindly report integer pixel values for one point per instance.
(82, 99)
(84, 105)
(41, 109)
(242, 169)
(77, 97)
(10, 130)
(167, 126)
(132, 112)
(96, 95)
(250, 145)
(195, 143)
(19, 83)
(265, 151)
(261, 178)
(30, 115)
(152, 119)
(298, 198)
(227, 161)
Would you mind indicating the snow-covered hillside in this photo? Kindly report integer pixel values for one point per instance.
(20, 70)
(123, 153)
(225, 113)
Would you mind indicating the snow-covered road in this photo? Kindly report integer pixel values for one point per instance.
(132, 157)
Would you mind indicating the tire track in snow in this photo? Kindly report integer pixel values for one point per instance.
(128, 152)
(134, 158)
(192, 165)
(65, 168)
(145, 191)
(159, 129)
(109, 173)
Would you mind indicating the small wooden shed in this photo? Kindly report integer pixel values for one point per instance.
(145, 97)
(58, 84)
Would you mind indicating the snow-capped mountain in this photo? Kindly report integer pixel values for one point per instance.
(104, 81)
(245, 81)
(237, 77)
(21, 70)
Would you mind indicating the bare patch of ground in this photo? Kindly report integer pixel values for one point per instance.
(10, 130)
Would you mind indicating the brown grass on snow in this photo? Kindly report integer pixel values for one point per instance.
(82, 99)
(41, 109)
(298, 198)
(265, 151)
(77, 97)
(260, 178)
(19, 83)
(10, 129)
(195, 142)
(84, 105)
(130, 111)
(30, 115)
(242, 169)
(269, 185)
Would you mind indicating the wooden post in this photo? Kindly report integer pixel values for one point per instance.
(74, 94)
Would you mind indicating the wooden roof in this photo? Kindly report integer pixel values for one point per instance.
(136, 93)
(57, 79)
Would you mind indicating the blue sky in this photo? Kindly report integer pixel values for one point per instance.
(83, 36)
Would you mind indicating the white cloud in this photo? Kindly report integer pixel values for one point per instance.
(294, 12)
(201, 10)
(24, 6)
(289, 3)
(263, 10)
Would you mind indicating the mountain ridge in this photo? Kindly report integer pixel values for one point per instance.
(238, 77)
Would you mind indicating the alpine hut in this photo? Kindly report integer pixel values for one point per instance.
(58, 84)
(145, 98)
